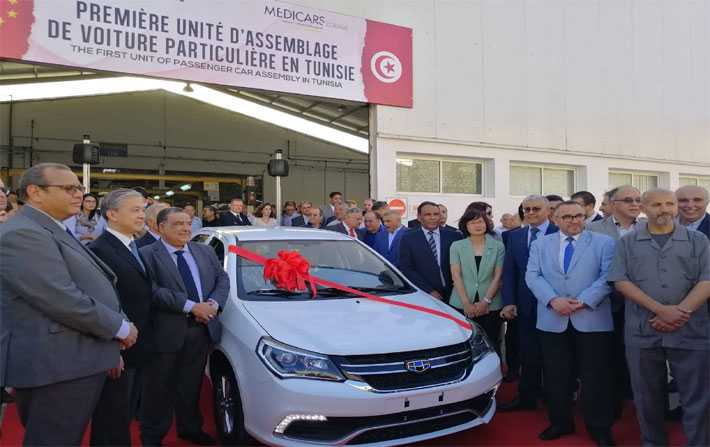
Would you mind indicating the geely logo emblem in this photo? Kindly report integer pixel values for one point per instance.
(417, 366)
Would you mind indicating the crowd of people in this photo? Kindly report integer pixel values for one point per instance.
(602, 306)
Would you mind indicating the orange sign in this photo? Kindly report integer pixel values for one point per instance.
(399, 205)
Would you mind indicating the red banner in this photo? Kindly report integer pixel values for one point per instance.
(292, 274)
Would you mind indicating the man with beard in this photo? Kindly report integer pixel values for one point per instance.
(663, 270)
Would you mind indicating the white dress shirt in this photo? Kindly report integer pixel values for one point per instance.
(623, 231)
(187, 255)
(542, 227)
(391, 236)
(695, 225)
(125, 240)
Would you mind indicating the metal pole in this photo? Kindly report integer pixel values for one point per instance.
(87, 169)
(279, 155)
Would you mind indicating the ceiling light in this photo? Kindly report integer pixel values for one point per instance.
(186, 187)
(170, 193)
(126, 84)
(156, 197)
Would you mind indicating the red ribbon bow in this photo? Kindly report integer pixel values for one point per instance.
(290, 271)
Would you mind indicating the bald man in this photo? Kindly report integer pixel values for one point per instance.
(663, 271)
(692, 208)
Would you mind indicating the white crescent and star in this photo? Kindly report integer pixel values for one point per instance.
(386, 67)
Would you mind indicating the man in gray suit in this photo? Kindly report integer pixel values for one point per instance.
(62, 326)
(567, 273)
(625, 207)
(328, 211)
(191, 288)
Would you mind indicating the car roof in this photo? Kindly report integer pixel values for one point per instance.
(246, 233)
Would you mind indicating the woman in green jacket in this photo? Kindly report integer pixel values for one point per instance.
(476, 269)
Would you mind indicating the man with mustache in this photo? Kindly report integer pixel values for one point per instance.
(663, 270)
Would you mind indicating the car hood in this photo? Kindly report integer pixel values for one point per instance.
(355, 326)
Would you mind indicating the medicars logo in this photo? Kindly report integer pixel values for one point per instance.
(295, 16)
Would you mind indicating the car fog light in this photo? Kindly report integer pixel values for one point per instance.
(285, 422)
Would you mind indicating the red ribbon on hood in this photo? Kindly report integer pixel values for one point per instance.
(291, 271)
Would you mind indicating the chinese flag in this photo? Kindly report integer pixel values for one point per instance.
(16, 19)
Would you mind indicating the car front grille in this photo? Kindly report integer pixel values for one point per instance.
(408, 370)
(365, 430)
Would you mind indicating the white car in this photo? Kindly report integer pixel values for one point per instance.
(339, 369)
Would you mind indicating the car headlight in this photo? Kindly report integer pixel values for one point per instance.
(479, 342)
(288, 362)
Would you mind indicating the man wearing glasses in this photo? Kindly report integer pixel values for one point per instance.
(567, 273)
(519, 302)
(625, 207)
(61, 325)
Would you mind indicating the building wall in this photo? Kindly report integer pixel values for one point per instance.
(591, 84)
(180, 134)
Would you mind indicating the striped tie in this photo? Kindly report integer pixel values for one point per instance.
(432, 246)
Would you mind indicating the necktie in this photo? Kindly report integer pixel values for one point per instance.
(186, 276)
(569, 252)
(352, 233)
(432, 246)
(134, 251)
(533, 235)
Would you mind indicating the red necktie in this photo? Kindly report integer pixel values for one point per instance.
(352, 233)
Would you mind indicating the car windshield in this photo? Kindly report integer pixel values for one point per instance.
(344, 262)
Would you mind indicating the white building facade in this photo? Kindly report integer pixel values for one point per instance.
(513, 97)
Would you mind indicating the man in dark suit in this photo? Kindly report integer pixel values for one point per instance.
(387, 242)
(349, 224)
(61, 326)
(587, 201)
(424, 253)
(521, 304)
(151, 221)
(692, 206)
(235, 215)
(302, 219)
(124, 212)
(191, 287)
(337, 217)
(445, 217)
(314, 219)
(414, 223)
(372, 229)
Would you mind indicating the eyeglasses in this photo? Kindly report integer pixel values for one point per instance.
(69, 189)
(629, 200)
(570, 218)
(532, 209)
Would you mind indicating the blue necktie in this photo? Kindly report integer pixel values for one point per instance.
(432, 246)
(533, 235)
(134, 251)
(187, 279)
(569, 252)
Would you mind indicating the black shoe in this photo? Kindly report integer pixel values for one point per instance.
(200, 438)
(517, 405)
(511, 377)
(6, 397)
(555, 432)
(603, 438)
(675, 414)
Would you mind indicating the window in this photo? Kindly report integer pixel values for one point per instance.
(526, 180)
(218, 248)
(695, 180)
(642, 181)
(439, 176)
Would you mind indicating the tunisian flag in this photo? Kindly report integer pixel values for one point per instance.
(16, 19)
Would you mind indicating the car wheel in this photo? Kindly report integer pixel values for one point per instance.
(228, 414)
